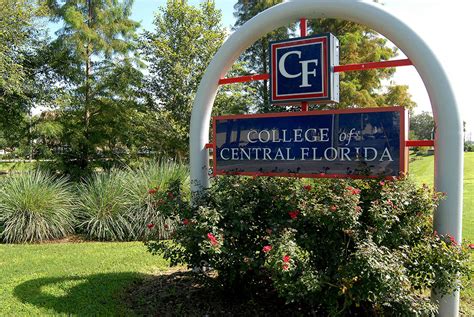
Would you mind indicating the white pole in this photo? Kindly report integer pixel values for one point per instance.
(448, 141)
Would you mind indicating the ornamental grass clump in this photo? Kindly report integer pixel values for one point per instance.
(154, 189)
(340, 247)
(104, 208)
(35, 207)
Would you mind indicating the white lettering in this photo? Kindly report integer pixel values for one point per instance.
(386, 153)
(304, 66)
(374, 151)
(251, 139)
(334, 152)
(281, 64)
(267, 136)
(222, 154)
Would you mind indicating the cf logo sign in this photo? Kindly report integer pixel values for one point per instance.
(301, 70)
(304, 73)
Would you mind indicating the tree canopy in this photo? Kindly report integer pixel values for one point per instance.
(177, 52)
(358, 44)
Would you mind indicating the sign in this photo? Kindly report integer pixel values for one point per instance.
(302, 70)
(356, 143)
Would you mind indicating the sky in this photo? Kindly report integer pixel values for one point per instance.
(444, 25)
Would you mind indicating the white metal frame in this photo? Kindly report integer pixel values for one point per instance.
(449, 133)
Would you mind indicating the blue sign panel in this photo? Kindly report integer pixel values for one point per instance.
(344, 143)
(302, 69)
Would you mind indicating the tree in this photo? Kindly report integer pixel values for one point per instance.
(357, 44)
(257, 56)
(21, 38)
(93, 55)
(360, 44)
(178, 51)
(422, 125)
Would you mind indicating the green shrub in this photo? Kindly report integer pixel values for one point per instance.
(150, 189)
(35, 207)
(342, 247)
(103, 208)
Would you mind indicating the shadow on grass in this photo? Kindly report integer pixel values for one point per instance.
(172, 293)
(90, 295)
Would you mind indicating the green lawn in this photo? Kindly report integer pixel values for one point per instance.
(422, 171)
(81, 279)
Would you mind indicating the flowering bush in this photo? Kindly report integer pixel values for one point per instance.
(343, 247)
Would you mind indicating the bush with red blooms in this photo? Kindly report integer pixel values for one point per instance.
(343, 247)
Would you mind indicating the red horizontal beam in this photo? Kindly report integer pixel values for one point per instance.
(243, 79)
(337, 69)
(209, 145)
(372, 65)
(419, 143)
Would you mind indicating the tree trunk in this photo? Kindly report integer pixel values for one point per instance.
(84, 160)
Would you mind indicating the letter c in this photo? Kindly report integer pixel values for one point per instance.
(281, 64)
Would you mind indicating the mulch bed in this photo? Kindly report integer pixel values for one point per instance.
(180, 293)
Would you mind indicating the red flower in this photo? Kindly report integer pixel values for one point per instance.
(150, 225)
(453, 241)
(185, 221)
(382, 183)
(267, 248)
(294, 214)
(286, 258)
(354, 191)
(307, 187)
(471, 246)
(212, 238)
(152, 191)
(285, 266)
(333, 208)
(170, 195)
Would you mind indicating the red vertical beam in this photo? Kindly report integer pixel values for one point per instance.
(303, 33)
(303, 27)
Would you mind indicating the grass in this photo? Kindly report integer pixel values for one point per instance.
(422, 171)
(63, 279)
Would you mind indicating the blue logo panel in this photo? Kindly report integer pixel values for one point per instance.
(300, 69)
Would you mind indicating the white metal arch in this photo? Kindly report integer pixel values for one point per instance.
(448, 139)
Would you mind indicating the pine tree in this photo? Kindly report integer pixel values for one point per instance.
(92, 54)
